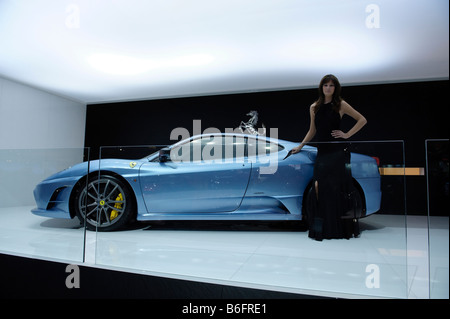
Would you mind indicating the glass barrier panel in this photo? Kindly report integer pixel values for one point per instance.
(36, 190)
(438, 216)
(232, 211)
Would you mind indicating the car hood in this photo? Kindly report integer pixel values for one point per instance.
(82, 169)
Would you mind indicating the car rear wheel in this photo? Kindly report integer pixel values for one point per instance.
(105, 203)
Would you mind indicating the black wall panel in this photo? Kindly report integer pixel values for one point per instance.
(412, 112)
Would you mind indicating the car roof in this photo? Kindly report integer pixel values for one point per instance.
(243, 135)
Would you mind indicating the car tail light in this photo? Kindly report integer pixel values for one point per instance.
(377, 159)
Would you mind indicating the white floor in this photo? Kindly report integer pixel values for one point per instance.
(387, 261)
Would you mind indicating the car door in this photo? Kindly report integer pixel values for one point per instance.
(204, 175)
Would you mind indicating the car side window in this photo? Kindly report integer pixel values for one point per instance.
(262, 147)
(213, 148)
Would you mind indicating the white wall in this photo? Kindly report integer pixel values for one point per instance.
(40, 134)
(31, 118)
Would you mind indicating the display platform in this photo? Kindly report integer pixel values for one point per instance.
(271, 256)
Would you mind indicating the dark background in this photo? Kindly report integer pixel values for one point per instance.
(412, 112)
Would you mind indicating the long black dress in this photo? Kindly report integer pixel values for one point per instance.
(332, 171)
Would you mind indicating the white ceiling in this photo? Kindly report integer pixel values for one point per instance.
(114, 50)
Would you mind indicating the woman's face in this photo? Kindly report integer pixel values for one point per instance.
(328, 89)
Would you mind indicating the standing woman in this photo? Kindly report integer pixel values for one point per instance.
(332, 175)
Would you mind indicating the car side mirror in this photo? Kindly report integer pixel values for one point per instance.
(164, 155)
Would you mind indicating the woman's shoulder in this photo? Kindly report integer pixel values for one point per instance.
(344, 104)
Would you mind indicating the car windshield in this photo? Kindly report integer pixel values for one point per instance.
(151, 156)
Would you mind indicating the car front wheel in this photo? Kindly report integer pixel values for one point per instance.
(105, 203)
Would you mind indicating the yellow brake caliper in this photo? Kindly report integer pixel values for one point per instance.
(115, 213)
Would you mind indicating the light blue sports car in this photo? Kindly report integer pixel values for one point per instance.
(222, 176)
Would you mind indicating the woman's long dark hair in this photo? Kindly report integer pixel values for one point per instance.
(336, 102)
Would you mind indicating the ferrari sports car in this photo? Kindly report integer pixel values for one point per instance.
(223, 176)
